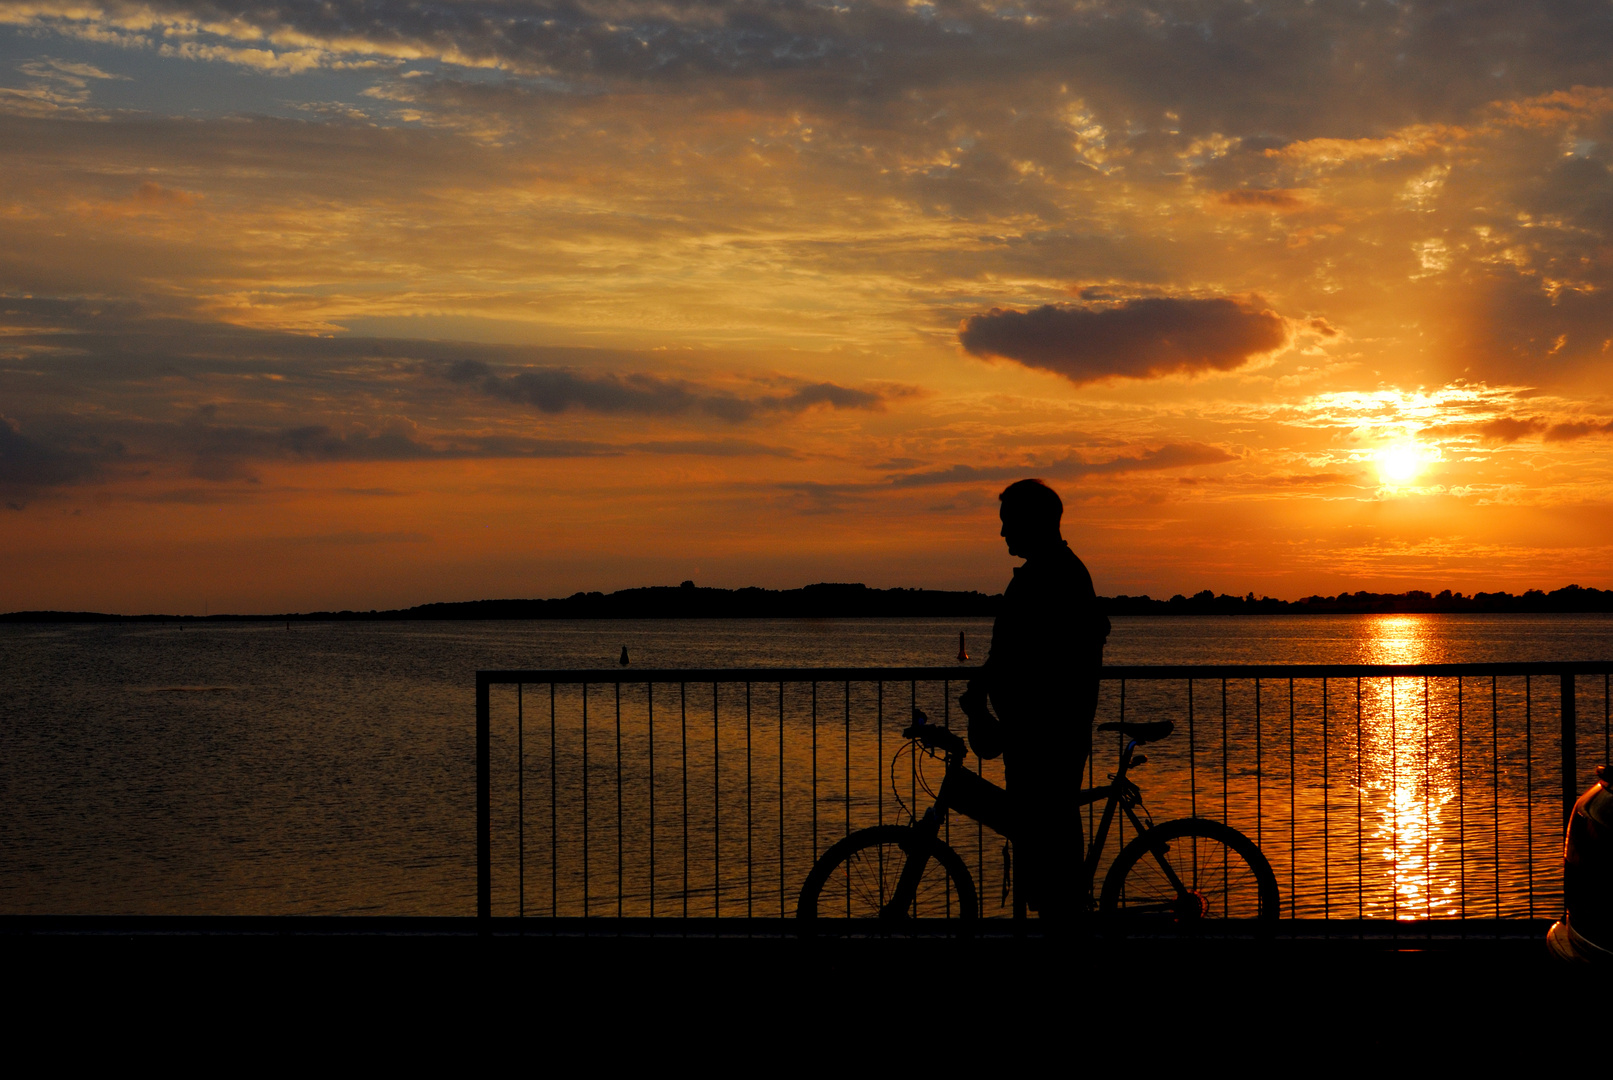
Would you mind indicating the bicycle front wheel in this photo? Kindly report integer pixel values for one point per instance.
(857, 879)
(1187, 876)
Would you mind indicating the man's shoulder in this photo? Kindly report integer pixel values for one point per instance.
(1066, 569)
(1058, 576)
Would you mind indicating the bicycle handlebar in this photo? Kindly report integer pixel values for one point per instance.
(934, 737)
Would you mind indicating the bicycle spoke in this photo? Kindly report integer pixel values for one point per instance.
(1194, 877)
(859, 879)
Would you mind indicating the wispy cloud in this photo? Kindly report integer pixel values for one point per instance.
(1577, 429)
(557, 390)
(1169, 456)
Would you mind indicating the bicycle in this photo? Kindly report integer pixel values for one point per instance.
(1182, 876)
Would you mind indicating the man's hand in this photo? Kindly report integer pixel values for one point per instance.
(973, 702)
(985, 733)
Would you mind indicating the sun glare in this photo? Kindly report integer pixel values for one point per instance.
(1400, 462)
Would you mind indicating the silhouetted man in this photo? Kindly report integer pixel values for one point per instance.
(1042, 679)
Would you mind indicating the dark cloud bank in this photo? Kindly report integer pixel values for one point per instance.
(61, 355)
(1278, 63)
(27, 465)
(1140, 338)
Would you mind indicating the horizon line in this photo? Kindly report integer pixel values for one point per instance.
(1201, 602)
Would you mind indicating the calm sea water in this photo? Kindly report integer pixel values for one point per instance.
(328, 768)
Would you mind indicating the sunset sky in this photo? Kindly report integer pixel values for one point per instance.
(334, 304)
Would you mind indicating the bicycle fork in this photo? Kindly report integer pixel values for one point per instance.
(924, 833)
(1158, 849)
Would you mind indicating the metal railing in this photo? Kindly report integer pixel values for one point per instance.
(1377, 792)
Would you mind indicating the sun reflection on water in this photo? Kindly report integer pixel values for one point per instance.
(1406, 774)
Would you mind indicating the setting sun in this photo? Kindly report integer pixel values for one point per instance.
(1401, 462)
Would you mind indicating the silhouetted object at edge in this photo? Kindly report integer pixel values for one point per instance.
(1585, 934)
(1041, 677)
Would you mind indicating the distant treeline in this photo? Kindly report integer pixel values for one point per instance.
(1570, 598)
(829, 600)
(686, 601)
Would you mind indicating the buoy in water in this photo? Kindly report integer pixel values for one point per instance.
(963, 653)
(624, 656)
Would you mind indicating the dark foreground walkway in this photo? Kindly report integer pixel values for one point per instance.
(734, 992)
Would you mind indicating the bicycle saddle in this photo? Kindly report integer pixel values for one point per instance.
(1143, 733)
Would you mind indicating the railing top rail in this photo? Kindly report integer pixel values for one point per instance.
(959, 673)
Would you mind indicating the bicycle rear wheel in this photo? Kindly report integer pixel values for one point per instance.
(857, 879)
(1190, 876)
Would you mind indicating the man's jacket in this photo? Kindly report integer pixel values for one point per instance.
(1046, 650)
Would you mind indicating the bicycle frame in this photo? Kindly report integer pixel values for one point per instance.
(1127, 796)
(979, 799)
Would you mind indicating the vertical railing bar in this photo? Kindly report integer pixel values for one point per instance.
(1192, 768)
(879, 764)
(716, 811)
(649, 725)
(1360, 785)
(749, 860)
(1120, 748)
(484, 804)
(1260, 772)
(848, 759)
(1327, 905)
(1428, 798)
(1226, 868)
(520, 802)
(1192, 772)
(683, 738)
(980, 828)
(814, 769)
(781, 888)
(913, 758)
(554, 817)
(1461, 798)
(1092, 822)
(584, 800)
(846, 800)
(1223, 753)
(946, 822)
(946, 721)
(1495, 784)
(879, 749)
(620, 876)
(1293, 820)
(1394, 808)
(1569, 715)
(1529, 788)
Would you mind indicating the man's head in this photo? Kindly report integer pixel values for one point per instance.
(1031, 512)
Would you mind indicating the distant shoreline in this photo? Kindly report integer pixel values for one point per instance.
(842, 601)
